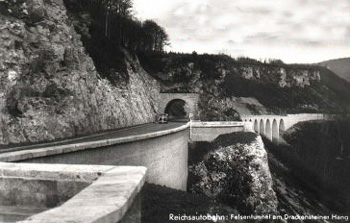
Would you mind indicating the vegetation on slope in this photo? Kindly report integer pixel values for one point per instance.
(316, 158)
(295, 196)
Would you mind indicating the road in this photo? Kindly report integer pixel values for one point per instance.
(119, 133)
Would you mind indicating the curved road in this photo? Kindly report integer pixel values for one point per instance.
(111, 134)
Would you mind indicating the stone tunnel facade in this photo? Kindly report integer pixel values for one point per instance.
(273, 126)
(190, 100)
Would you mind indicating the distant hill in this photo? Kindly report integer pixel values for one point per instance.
(341, 67)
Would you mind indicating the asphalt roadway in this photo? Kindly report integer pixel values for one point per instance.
(118, 133)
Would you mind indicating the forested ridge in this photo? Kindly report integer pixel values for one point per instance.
(115, 21)
(109, 31)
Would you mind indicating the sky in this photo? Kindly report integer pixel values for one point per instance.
(295, 31)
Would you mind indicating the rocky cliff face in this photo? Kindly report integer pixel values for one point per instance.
(286, 78)
(49, 87)
(236, 173)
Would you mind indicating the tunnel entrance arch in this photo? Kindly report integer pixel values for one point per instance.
(179, 105)
(177, 109)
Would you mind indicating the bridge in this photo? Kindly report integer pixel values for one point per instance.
(115, 162)
(273, 126)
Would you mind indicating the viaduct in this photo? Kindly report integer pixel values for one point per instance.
(273, 126)
(99, 178)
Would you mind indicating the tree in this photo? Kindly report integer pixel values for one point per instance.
(113, 22)
(157, 38)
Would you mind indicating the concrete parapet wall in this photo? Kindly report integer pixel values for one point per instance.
(155, 151)
(214, 124)
(209, 131)
(110, 191)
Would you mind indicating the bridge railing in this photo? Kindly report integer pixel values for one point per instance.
(198, 123)
(209, 130)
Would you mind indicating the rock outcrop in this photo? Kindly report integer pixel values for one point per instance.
(287, 77)
(49, 87)
(236, 173)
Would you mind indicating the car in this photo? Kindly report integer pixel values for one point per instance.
(162, 118)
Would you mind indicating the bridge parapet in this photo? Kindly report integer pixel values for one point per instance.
(215, 124)
(209, 131)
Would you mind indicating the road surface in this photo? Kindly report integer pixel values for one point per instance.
(129, 131)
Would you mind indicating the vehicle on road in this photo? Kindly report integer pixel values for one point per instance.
(162, 118)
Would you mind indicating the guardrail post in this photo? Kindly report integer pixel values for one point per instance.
(190, 129)
(190, 117)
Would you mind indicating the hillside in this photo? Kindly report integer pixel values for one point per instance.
(249, 86)
(341, 67)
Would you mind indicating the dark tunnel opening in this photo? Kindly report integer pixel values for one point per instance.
(176, 109)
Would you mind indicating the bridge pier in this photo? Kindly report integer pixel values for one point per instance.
(268, 130)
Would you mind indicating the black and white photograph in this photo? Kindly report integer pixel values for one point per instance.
(174, 111)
